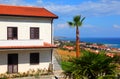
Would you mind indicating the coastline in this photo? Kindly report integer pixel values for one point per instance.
(110, 42)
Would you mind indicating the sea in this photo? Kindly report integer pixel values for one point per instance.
(111, 42)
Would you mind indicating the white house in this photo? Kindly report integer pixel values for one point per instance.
(25, 38)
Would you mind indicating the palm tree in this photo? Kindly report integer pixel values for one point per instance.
(77, 22)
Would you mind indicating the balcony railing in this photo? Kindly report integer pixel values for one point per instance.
(21, 42)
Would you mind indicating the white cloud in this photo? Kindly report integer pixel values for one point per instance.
(61, 8)
(65, 25)
(108, 0)
(39, 1)
(12, 2)
(100, 7)
(60, 26)
(116, 26)
(103, 7)
(88, 26)
(22, 2)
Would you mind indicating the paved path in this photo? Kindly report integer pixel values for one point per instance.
(57, 68)
(56, 65)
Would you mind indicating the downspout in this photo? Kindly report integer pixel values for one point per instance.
(52, 39)
(52, 31)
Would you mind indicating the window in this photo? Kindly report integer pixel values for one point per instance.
(34, 58)
(34, 33)
(12, 33)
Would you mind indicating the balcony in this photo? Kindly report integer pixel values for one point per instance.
(21, 43)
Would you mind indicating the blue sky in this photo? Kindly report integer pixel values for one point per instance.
(102, 16)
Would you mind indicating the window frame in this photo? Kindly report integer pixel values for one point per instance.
(33, 59)
(35, 34)
(12, 33)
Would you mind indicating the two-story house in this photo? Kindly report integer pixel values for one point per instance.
(25, 38)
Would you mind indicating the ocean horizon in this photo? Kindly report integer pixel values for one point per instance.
(111, 42)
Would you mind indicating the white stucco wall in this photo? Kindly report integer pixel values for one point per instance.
(24, 24)
(24, 60)
(3, 62)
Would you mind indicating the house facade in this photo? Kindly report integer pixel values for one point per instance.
(25, 38)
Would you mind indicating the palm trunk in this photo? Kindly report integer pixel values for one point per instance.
(77, 42)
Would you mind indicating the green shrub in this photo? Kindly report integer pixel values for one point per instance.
(89, 65)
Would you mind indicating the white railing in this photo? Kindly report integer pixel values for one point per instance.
(21, 42)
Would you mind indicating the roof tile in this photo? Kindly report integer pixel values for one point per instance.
(46, 45)
(26, 11)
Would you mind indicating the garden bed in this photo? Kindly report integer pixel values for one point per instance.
(37, 77)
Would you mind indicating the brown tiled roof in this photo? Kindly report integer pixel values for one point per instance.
(45, 45)
(26, 11)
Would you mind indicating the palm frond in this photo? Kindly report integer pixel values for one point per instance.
(76, 19)
(90, 65)
(82, 19)
(79, 24)
(71, 24)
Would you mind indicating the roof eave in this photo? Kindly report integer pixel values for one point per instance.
(26, 47)
(54, 17)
